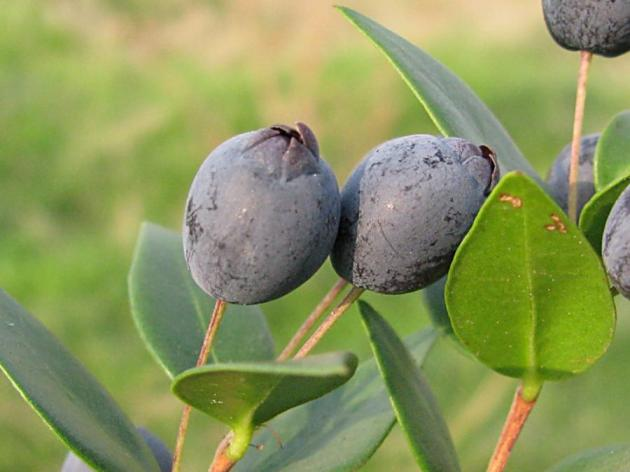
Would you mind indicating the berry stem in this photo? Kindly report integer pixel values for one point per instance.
(213, 327)
(315, 315)
(580, 100)
(519, 412)
(339, 310)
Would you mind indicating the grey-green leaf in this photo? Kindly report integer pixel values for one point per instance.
(66, 396)
(539, 306)
(595, 212)
(452, 105)
(612, 155)
(244, 396)
(416, 408)
(338, 432)
(172, 313)
(605, 459)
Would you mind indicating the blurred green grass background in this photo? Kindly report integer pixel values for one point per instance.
(107, 108)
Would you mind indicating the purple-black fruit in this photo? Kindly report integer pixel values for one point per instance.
(558, 177)
(262, 215)
(598, 26)
(616, 244)
(406, 208)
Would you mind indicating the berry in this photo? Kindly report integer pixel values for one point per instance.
(598, 26)
(406, 208)
(558, 177)
(616, 244)
(262, 215)
(161, 453)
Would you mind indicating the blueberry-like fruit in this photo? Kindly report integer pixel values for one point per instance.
(616, 244)
(406, 208)
(161, 453)
(598, 26)
(558, 177)
(262, 215)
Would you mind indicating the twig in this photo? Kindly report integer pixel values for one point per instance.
(339, 310)
(213, 326)
(519, 411)
(580, 100)
(319, 310)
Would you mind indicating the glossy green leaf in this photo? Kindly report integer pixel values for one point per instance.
(244, 396)
(338, 432)
(612, 155)
(66, 396)
(595, 212)
(605, 459)
(452, 105)
(526, 293)
(416, 408)
(172, 313)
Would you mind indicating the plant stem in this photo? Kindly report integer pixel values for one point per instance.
(519, 411)
(580, 100)
(221, 461)
(339, 310)
(319, 310)
(213, 327)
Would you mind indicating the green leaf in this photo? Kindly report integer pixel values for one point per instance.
(605, 459)
(172, 313)
(66, 396)
(244, 396)
(612, 154)
(526, 293)
(338, 432)
(416, 408)
(451, 104)
(595, 212)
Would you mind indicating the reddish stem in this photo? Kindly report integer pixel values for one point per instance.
(213, 327)
(339, 310)
(519, 412)
(578, 120)
(316, 314)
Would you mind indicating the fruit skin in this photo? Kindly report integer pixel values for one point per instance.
(406, 208)
(558, 177)
(616, 244)
(598, 26)
(262, 215)
(161, 453)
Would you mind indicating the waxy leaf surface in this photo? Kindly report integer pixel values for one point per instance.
(595, 212)
(172, 313)
(416, 408)
(452, 105)
(245, 395)
(612, 155)
(66, 396)
(526, 293)
(338, 432)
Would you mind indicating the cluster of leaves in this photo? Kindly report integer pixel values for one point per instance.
(536, 306)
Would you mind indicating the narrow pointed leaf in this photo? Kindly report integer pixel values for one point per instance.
(433, 299)
(238, 393)
(539, 307)
(452, 105)
(66, 396)
(338, 432)
(605, 459)
(595, 212)
(416, 408)
(172, 313)
(612, 155)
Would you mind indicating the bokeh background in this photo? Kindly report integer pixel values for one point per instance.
(107, 108)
